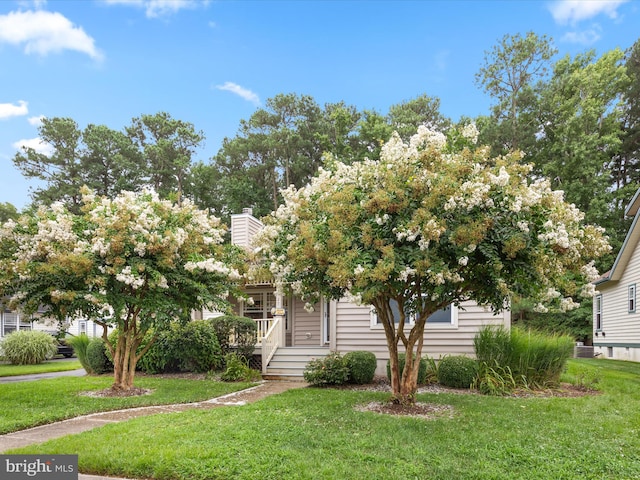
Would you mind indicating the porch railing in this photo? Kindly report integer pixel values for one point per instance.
(263, 325)
(271, 342)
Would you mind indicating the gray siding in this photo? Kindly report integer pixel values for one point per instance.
(618, 324)
(243, 227)
(306, 327)
(355, 332)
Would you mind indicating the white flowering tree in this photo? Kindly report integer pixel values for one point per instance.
(135, 263)
(433, 223)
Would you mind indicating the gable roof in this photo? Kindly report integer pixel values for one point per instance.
(630, 242)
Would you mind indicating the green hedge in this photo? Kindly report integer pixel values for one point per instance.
(457, 371)
(189, 347)
(362, 366)
(97, 357)
(242, 330)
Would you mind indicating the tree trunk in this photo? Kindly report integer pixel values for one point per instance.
(125, 360)
(405, 384)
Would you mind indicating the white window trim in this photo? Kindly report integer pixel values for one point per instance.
(374, 325)
(598, 313)
(445, 326)
(631, 298)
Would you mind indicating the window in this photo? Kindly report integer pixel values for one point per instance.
(632, 298)
(260, 309)
(598, 312)
(445, 318)
(12, 321)
(326, 321)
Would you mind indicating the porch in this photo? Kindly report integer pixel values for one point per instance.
(279, 361)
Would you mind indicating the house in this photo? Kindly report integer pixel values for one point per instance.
(616, 318)
(11, 320)
(289, 336)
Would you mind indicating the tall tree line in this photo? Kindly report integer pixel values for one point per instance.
(155, 150)
(576, 118)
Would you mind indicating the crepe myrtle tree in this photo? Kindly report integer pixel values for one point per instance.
(134, 262)
(435, 222)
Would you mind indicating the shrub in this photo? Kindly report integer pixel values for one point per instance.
(158, 357)
(330, 370)
(97, 358)
(426, 370)
(195, 346)
(28, 347)
(80, 344)
(534, 359)
(236, 334)
(362, 366)
(237, 370)
(457, 371)
(192, 347)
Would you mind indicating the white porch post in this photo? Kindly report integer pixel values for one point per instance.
(279, 309)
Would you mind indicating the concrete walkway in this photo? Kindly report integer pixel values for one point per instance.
(41, 376)
(87, 422)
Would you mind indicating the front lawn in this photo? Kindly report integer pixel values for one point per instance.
(8, 370)
(318, 433)
(27, 404)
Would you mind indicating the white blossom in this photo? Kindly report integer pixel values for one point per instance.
(470, 132)
(406, 273)
(501, 179)
(567, 304)
(540, 308)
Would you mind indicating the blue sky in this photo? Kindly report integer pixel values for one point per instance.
(212, 63)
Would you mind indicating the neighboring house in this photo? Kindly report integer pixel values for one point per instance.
(288, 342)
(616, 317)
(11, 321)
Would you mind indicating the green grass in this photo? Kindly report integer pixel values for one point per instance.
(8, 370)
(317, 434)
(27, 404)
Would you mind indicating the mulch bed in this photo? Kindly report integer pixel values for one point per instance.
(430, 411)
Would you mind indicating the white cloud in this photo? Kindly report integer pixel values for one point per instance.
(240, 91)
(159, 8)
(8, 110)
(574, 11)
(36, 143)
(585, 37)
(45, 32)
(32, 3)
(36, 121)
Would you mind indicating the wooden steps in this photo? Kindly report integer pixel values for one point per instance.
(289, 363)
